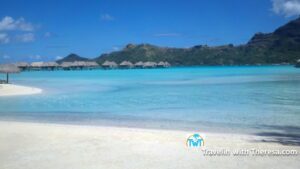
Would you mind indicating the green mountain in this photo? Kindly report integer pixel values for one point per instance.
(283, 45)
(72, 58)
(280, 46)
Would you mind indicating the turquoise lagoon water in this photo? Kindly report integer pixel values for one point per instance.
(198, 98)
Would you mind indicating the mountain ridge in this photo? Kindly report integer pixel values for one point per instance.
(280, 46)
(72, 58)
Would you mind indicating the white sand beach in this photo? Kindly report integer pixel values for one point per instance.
(11, 90)
(41, 145)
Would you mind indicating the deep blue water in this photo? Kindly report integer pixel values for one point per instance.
(228, 98)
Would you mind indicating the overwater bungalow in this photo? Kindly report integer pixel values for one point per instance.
(36, 65)
(66, 65)
(91, 65)
(167, 64)
(139, 64)
(149, 65)
(23, 65)
(126, 64)
(163, 64)
(78, 65)
(109, 64)
(297, 64)
(7, 69)
(50, 65)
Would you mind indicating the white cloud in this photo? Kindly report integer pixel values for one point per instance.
(47, 34)
(4, 38)
(35, 57)
(58, 57)
(107, 17)
(27, 37)
(8, 24)
(115, 48)
(167, 34)
(286, 8)
(5, 56)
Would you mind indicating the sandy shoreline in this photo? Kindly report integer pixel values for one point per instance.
(13, 90)
(43, 145)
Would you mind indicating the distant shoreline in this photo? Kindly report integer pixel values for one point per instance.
(140, 68)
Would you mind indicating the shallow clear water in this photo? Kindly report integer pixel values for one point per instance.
(234, 98)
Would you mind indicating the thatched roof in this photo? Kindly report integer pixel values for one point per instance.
(22, 64)
(78, 64)
(66, 64)
(91, 64)
(139, 63)
(37, 64)
(109, 64)
(9, 68)
(53, 64)
(167, 64)
(150, 64)
(126, 64)
(50, 64)
(163, 64)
